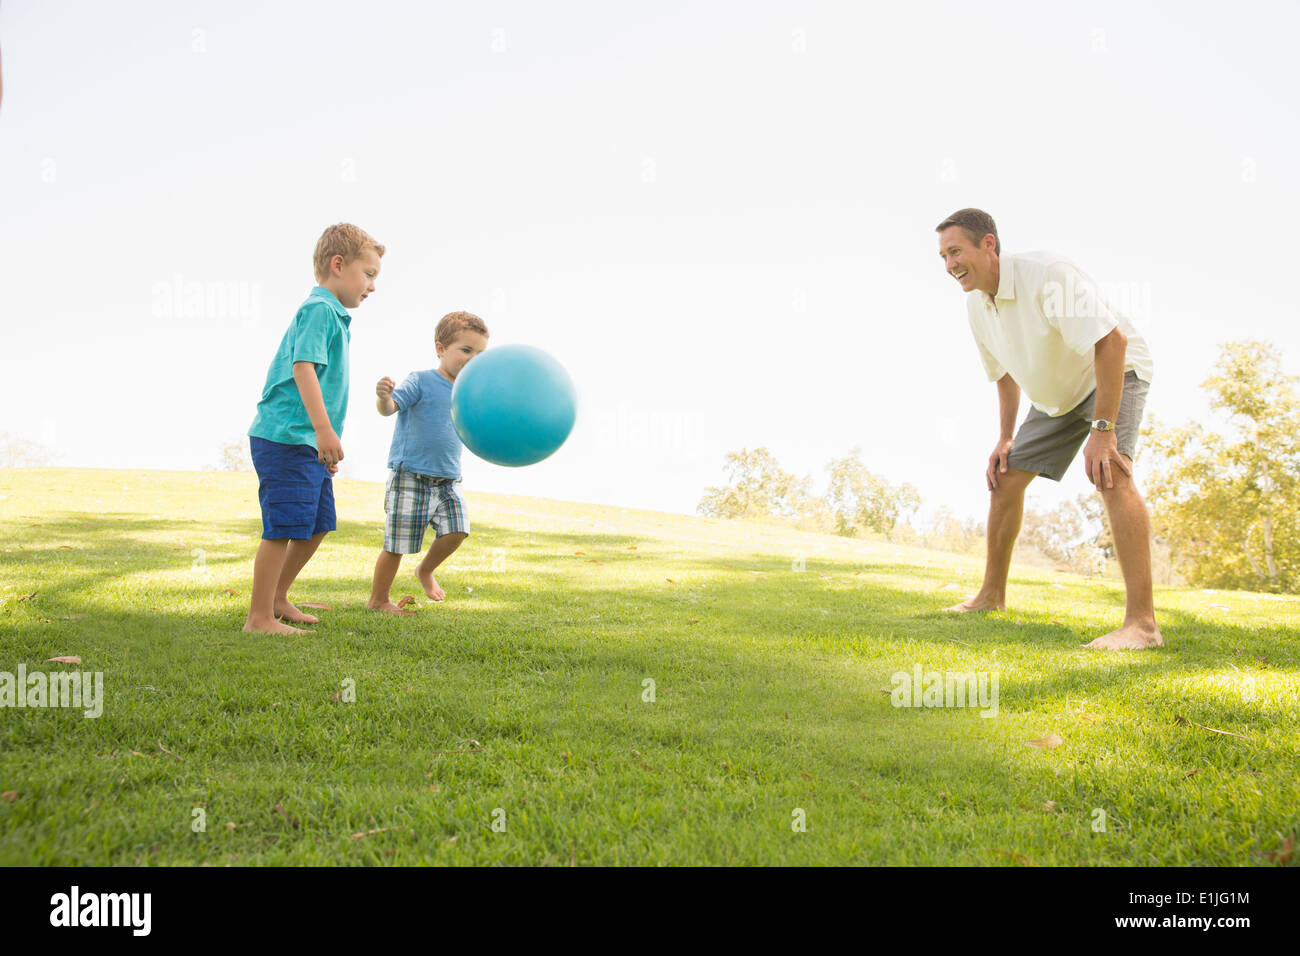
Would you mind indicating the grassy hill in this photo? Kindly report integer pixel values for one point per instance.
(513, 722)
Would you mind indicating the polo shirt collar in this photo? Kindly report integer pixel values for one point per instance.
(1006, 278)
(320, 292)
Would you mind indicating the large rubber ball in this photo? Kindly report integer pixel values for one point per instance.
(513, 405)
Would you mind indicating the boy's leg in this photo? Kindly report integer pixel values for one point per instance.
(381, 587)
(438, 552)
(296, 557)
(266, 572)
(451, 525)
(406, 504)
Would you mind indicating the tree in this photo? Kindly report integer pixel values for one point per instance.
(1074, 533)
(1228, 505)
(862, 501)
(235, 456)
(757, 488)
(16, 452)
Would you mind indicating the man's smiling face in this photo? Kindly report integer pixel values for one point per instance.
(973, 265)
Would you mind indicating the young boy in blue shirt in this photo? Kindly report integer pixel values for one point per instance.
(424, 463)
(294, 438)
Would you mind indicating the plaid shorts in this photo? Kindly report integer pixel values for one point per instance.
(413, 502)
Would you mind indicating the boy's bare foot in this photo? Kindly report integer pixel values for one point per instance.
(976, 603)
(430, 585)
(388, 607)
(258, 626)
(1130, 637)
(287, 612)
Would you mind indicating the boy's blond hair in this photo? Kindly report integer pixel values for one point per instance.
(343, 239)
(454, 323)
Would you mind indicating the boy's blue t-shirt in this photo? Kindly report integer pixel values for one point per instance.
(425, 441)
(319, 333)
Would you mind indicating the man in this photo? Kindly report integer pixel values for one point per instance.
(1041, 327)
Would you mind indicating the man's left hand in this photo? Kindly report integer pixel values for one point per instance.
(1100, 455)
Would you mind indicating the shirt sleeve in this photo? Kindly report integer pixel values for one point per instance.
(314, 325)
(1072, 304)
(408, 393)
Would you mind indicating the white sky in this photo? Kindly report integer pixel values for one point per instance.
(718, 216)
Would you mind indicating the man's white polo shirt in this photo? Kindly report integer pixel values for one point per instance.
(1042, 327)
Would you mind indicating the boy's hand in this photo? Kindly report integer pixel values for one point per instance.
(384, 389)
(329, 449)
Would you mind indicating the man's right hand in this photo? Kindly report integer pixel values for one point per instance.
(998, 462)
(384, 388)
(329, 449)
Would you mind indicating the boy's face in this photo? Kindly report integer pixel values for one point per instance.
(455, 356)
(354, 280)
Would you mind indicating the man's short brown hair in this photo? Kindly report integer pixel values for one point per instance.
(343, 239)
(976, 223)
(453, 323)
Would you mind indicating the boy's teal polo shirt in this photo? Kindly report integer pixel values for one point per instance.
(319, 334)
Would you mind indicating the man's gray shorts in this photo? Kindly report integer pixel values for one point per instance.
(1046, 445)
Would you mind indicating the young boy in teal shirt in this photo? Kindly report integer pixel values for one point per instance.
(424, 462)
(294, 438)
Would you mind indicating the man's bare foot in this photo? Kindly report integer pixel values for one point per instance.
(388, 607)
(430, 585)
(975, 603)
(1130, 637)
(287, 612)
(255, 625)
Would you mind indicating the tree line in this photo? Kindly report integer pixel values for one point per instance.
(1224, 501)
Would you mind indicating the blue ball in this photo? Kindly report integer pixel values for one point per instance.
(513, 405)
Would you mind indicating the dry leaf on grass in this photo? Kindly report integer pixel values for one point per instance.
(231, 591)
(408, 599)
(70, 659)
(169, 753)
(1191, 773)
(1088, 718)
(284, 813)
(28, 597)
(1180, 719)
(1051, 806)
(1050, 742)
(358, 836)
(1017, 858)
(9, 796)
(1281, 855)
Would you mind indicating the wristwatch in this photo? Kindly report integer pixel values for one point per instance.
(1102, 425)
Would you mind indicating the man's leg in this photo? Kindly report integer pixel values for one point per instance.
(441, 548)
(267, 568)
(1131, 530)
(295, 559)
(1006, 510)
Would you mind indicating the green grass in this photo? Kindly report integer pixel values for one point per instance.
(525, 694)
